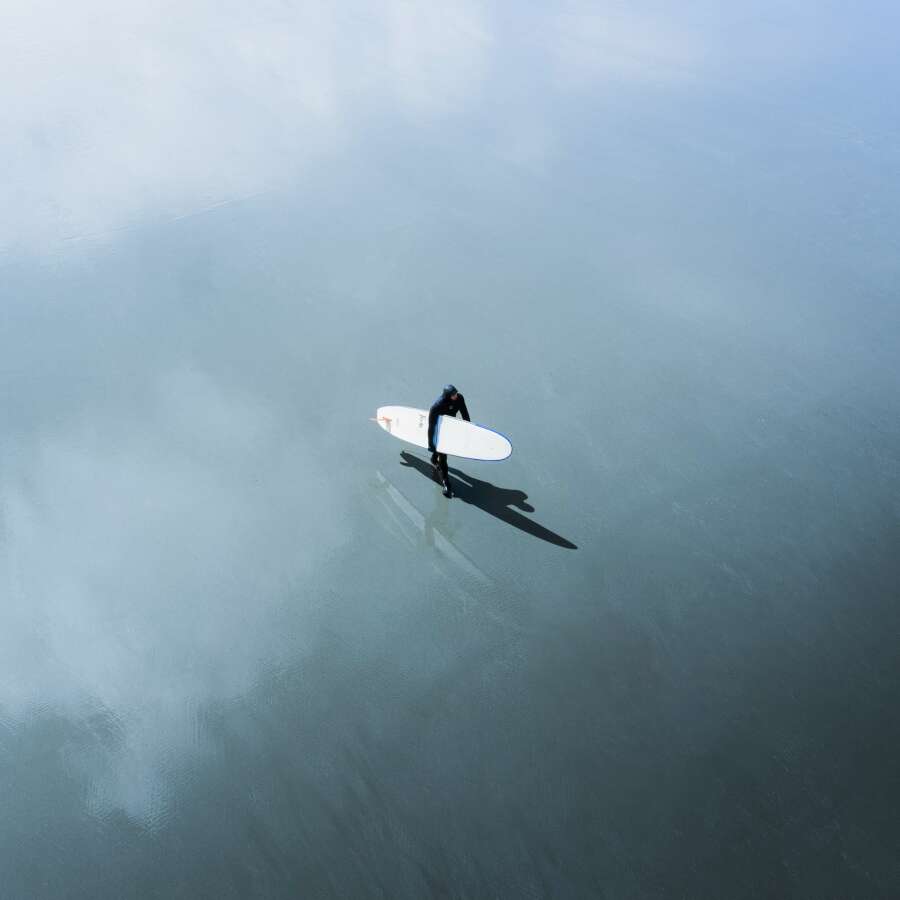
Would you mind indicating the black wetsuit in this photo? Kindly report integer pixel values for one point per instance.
(444, 406)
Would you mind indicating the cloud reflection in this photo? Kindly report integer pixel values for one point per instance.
(143, 546)
(139, 564)
(115, 111)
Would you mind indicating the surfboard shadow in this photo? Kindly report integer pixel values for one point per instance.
(493, 500)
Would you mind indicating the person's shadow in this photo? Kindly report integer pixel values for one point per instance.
(493, 500)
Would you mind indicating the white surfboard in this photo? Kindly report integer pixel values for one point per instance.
(455, 437)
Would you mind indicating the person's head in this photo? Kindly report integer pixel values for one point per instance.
(451, 391)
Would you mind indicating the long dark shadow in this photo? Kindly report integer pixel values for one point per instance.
(492, 499)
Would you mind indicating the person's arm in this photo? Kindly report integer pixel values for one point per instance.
(432, 424)
(463, 411)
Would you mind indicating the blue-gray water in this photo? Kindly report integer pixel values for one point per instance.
(247, 649)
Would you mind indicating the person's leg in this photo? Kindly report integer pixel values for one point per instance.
(445, 474)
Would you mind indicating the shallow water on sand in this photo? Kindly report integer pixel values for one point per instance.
(247, 649)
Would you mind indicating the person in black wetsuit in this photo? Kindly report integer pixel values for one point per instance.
(449, 403)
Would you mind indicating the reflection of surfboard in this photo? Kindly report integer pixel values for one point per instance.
(455, 437)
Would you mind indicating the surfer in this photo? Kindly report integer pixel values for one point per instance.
(449, 403)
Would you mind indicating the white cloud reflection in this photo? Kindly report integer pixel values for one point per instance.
(121, 532)
(608, 43)
(115, 111)
(138, 561)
